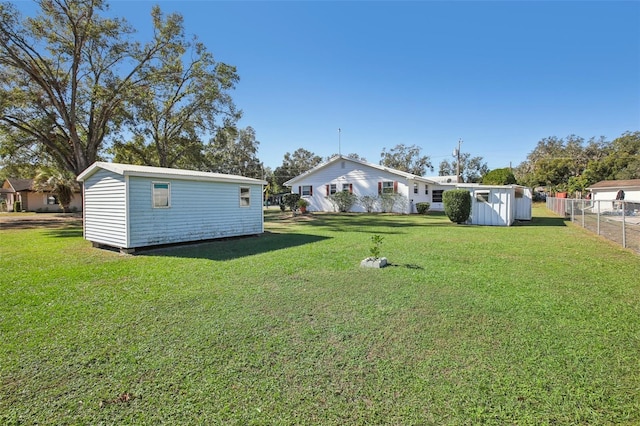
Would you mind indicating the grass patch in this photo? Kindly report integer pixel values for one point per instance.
(533, 324)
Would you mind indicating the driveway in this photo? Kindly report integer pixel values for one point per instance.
(39, 220)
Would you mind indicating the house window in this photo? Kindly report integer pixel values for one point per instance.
(161, 194)
(482, 196)
(307, 190)
(333, 189)
(436, 197)
(345, 187)
(426, 190)
(52, 199)
(387, 187)
(245, 196)
(415, 188)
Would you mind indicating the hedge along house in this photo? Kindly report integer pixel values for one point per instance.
(129, 207)
(361, 178)
(498, 205)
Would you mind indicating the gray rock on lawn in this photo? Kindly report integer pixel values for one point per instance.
(374, 262)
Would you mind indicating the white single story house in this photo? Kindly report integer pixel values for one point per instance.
(128, 207)
(341, 173)
(498, 205)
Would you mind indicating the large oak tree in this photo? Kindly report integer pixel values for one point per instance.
(71, 79)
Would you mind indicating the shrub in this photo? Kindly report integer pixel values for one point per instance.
(368, 202)
(457, 205)
(389, 202)
(423, 208)
(343, 201)
(291, 201)
(17, 206)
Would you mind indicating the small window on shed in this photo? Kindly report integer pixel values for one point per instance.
(519, 192)
(482, 196)
(245, 196)
(161, 194)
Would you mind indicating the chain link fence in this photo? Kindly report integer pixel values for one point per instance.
(617, 221)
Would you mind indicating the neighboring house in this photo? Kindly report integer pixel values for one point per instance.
(609, 190)
(361, 178)
(498, 205)
(614, 191)
(31, 200)
(129, 207)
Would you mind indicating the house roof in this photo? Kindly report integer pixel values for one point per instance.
(336, 158)
(164, 173)
(17, 185)
(616, 184)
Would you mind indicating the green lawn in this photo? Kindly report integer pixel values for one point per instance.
(533, 324)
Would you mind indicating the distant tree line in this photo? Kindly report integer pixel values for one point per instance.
(572, 164)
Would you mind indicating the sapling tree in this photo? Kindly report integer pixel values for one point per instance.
(376, 242)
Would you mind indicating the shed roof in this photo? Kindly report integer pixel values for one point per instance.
(616, 184)
(165, 173)
(336, 158)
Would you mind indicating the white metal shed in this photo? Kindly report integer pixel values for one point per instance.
(128, 206)
(498, 205)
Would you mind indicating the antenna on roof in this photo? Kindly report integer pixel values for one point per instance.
(339, 142)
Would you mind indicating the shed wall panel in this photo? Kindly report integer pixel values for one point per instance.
(198, 211)
(523, 205)
(497, 211)
(105, 209)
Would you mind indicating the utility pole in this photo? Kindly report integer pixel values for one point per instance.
(456, 153)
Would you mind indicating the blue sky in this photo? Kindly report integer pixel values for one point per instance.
(499, 75)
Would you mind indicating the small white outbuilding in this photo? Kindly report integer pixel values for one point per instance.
(498, 205)
(129, 207)
(615, 191)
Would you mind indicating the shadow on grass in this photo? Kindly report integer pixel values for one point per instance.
(66, 231)
(234, 248)
(405, 266)
(542, 221)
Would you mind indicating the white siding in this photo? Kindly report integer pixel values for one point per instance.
(523, 205)
(364, 181)
(498, 210)
(610, 194)
(199, 211)
(105, 209)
